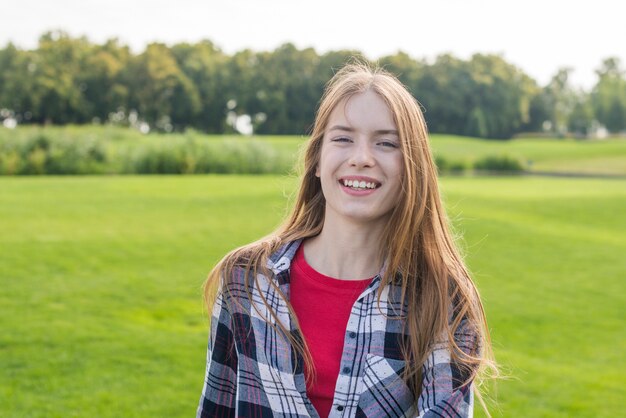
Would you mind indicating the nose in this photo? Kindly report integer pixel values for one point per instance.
(362, 155)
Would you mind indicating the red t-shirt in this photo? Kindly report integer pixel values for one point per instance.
(322, 305)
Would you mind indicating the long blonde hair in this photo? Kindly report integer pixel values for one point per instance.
(419, 248)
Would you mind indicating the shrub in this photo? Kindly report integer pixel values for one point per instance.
(445, 166)
(441, 163)
(10, 163)
(458, 167)
(501, 163)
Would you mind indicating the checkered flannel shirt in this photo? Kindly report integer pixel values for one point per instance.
(252, 372)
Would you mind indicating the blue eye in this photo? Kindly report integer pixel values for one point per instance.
(341, 139)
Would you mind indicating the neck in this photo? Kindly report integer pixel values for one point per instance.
(346, 251)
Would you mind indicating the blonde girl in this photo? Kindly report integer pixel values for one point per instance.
(359, 305)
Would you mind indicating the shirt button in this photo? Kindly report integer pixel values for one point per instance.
(346, 370)
(340, 408)
(352, 334)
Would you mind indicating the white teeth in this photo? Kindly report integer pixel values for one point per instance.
(355, 184)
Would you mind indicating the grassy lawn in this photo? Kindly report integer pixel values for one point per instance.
(101, 303)
(541, 154)
(549, 259)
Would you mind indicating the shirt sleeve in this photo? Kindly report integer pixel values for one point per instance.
(220, 382)
(443, 392)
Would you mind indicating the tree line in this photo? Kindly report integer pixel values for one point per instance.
(72, 80)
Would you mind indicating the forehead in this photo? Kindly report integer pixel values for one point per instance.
(365, 111)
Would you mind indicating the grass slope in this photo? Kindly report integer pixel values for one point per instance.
(541, 154)
(101, 302)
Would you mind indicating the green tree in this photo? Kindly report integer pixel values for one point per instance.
(485, 96)
(445, 89)
(104, 88)
(502, 93)
(44, 83)
(538, 113)
(162, 94)
(560, 99)
(477, 124)
(69, 80)
(61, 61)
(330, 62)
(285, 90)
(405, 68)
(581, 117)
(240, 85)
(14, 85)
(205, 65)
(608, 96)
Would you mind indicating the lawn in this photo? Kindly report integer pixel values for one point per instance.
(101, 302)
(541, 154)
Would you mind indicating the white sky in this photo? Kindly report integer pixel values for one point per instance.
(539, 36)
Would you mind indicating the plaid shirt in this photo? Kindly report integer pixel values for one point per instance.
(252, 370)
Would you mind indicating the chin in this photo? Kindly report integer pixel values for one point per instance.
(364, 217)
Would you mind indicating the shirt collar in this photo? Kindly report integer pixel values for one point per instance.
(281, 259)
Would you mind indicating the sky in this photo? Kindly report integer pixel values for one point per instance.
(538, 36)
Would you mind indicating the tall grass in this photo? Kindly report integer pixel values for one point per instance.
(114, 151)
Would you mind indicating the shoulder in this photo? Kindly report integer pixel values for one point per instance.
(261, 261)
(281, 258)
(464, 316)
(465, 334)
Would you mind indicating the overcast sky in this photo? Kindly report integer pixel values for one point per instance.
(538, 36)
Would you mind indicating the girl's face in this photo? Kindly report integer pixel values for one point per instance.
(360, 165)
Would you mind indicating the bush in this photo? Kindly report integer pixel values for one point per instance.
(502, 163)
(445, 166)
(441, 163)
(10, 163)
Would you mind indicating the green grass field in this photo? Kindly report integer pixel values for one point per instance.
(101, 303)
(542, 154)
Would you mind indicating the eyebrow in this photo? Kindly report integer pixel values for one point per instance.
(378, 131)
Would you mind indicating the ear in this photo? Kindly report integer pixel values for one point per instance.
(317, 170)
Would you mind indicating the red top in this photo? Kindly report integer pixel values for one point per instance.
(322, 305)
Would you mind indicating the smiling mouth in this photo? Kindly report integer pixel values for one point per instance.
(359, 184)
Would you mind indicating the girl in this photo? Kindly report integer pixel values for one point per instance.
(359, 305)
